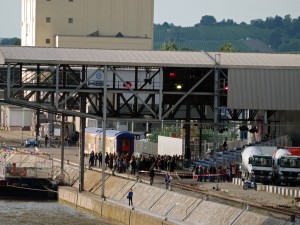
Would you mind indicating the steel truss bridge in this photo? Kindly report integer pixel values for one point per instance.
(50, 80)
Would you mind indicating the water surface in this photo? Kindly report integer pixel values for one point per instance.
(46, 213)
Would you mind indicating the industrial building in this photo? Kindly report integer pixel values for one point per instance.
(105, 24)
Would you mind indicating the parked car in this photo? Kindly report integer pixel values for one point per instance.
(30, 142)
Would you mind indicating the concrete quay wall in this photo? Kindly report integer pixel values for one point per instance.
(109, 209)
(153, 205)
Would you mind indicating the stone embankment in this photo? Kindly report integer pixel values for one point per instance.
(156, 205)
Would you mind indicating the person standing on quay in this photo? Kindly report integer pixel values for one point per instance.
(130, 196)
(151, 175)
(167, 180)
(46, 140)
(100, 159)
(225, 147)
(39, 141)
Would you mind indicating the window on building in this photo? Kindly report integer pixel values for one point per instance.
(47, 40)
(70, 20)
(48, 19)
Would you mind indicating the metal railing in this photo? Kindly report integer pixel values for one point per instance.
(25, 165)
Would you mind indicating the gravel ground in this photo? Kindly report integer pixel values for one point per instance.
(259, 196)
(228, 189)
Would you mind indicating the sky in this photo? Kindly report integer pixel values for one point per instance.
(178, 12)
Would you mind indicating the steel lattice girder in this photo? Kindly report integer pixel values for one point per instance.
(122, 102)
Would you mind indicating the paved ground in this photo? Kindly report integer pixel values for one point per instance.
(16, 138)
(13, 138)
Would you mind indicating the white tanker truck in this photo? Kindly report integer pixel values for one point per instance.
(286, 167)
(257, 163)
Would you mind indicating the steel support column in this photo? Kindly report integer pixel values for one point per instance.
(57, 86)
(8, 80)
(216, 106)
(82, 134)
(104, 131)
(62, 139)
(38, 112)
(160, 102)
(187, 152)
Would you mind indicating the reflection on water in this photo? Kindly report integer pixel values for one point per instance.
(45, 213)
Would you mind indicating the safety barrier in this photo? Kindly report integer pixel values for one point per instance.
(162, 172)
(273, 189)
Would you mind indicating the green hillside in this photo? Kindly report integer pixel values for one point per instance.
(275, 34)
(208, 38)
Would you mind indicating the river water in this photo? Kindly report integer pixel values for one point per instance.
(46, 213)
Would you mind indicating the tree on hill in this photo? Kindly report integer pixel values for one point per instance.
(169, 46)
(10, 41)
(275, 38)
(208, 20)
(228, 47)
(166, 25)
(258, 23)
(228, 22)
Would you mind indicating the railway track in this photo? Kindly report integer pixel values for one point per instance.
(280, 210)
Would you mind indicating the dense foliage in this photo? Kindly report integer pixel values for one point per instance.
(10, 41)
(273, 34)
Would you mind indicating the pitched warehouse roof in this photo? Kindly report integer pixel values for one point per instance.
(102, 57)
(72, 56)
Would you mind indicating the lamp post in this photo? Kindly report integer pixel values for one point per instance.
(22, 143)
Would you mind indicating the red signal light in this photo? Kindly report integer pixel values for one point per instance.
(226, 88)
(172, 75)
(127, 84)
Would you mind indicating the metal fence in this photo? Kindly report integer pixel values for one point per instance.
(15, 164)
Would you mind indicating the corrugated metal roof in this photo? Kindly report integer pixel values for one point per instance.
(103, 57)
(259, 60)
(72, 56)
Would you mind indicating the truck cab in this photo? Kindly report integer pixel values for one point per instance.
(261, 168)
(288, 169)
(257, 163)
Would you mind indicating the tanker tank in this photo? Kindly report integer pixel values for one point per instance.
(246, 154)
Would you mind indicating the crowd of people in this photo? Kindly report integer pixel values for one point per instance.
(150, 164)
(217, 173)
(123, 162)
(147, 164)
